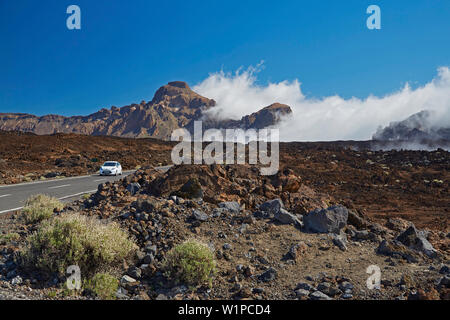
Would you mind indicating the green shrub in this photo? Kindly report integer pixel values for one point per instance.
(74, 239)
(85, 196)
(191, 262)
(7, 238)
(40, 207)
(103, 286)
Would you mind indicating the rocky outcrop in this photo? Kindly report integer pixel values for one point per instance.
(264, 118)
(173, 106)
(418, 127)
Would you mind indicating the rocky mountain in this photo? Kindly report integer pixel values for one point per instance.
(417, 127)
(173, 106)
(261, 119)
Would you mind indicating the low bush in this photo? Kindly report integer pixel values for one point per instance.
(7, 238)
(40, 207)
(74, 239)
(191, 262)
(102, 285)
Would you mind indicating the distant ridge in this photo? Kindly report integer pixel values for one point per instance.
(173, 106)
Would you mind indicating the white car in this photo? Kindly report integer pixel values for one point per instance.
(111, 168)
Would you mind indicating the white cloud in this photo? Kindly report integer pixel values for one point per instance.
(328, 118)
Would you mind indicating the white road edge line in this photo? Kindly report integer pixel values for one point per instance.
(77, 194)
(9, 210)
(56, 187)
(62, 198)
(5, 195)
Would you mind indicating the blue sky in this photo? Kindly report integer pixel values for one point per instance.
(127, 49)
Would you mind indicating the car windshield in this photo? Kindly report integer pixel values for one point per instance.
(109, 164)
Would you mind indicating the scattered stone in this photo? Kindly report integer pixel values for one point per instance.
(249, 271)
(121, 293)
(258, 290)
(377, 229)
(231, 206)
(355, 220)
(416, 240)
(200, 215)
(330, 220)
(134, 272)
(444, 269)
(304, 286)
(16, 280)
(397, 250)
(272, 206)
(398, 224)
(127, 280)
(317, 295)
(263, 214)
(217, 212)
(340, 241)
(52, 175)
(323, 286)
(301, 293)
(297, 250)
(345, 285)
(133, 188)
(328, 289)
(364, 235)
(285, 217)
(268, 275)
(152, 249)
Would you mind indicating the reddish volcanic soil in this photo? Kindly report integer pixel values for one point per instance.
(413, 185)
(26, 156)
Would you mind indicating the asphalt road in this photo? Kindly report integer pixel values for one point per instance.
(13, 197)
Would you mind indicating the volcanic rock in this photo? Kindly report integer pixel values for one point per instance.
(328, 220)
(268, 275)
(416, 240)
(133, 188)
(273, 206)
(232, 206)
(285, 217)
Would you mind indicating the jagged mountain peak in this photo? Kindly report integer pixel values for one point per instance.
(178, 94)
